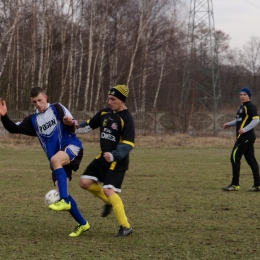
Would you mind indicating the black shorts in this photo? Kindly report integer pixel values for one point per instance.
(100, 173)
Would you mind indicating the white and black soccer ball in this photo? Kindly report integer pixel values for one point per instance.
(51, 197)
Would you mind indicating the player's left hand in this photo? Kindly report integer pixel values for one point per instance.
(67, 120)
(108, 157)
(240, 131)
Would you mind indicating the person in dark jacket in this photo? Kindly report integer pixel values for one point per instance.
(246, 119)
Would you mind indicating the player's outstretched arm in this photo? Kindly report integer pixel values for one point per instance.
(3, 107)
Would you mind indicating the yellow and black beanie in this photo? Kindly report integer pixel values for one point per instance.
(119, 91)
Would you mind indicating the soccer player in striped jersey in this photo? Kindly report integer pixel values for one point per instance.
(54, 126)
(117, 133)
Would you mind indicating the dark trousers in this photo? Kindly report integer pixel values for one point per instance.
(246, 148)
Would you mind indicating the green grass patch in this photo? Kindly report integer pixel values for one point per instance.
(172, 197)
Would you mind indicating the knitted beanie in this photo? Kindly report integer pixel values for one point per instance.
(246, 90)
(119, 91)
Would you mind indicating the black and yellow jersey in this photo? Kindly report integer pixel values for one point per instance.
(245, 114)
(115, 128)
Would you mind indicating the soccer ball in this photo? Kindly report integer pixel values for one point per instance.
(51, 197)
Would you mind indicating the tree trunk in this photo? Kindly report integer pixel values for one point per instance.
(34, 36)
(90, 54)
(81, 56)
(40, 72)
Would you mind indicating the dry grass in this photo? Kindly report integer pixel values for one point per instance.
(166, 141)
(181, 140)
(172, 197)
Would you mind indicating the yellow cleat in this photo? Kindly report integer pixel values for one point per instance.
(60, 205)
(79, 229)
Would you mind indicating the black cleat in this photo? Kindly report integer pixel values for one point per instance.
(106, 210)
(123, 232)
(255, 188)
(231, 187)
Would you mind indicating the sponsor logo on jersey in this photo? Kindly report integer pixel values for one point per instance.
(114, 126)
(108, 136)
(238, 118)
(104, 122)
(47, 125)
(107, 130)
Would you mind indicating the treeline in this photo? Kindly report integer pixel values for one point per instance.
(78, 49)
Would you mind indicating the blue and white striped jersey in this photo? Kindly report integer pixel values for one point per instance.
(48, 127)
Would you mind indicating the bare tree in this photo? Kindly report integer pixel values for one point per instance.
(71, 81)
(34, 37)
(78, 49)
(103, 35)
(12, 31)
(90, 52)
(43, 32)
(250, 57)
(81, 54)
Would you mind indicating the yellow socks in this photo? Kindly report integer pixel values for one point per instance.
(114, 200)
(97, 190)
(119, 211)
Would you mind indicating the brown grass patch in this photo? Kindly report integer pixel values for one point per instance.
(16, 141)
(166, 141)
(182, 140)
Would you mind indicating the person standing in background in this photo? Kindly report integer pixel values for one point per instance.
(246, 119)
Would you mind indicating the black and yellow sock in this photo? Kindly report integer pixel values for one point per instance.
(119, 211)
(97, 191)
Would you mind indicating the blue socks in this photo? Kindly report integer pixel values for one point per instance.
(75, 213)
(61, 177)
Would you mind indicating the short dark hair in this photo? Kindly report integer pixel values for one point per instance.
(34, 92)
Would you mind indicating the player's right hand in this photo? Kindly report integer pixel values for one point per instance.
(226, 125)
(3, 107)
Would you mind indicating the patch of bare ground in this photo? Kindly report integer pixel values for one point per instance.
(166, 141)
(18, 141)
(181, 140)
(178, 140)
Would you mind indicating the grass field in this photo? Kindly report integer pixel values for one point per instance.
(172, 196)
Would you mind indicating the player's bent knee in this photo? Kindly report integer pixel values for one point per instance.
(55, 162)
(108, 192)
(84, 184)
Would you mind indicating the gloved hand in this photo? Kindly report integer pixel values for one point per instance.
(82, 124)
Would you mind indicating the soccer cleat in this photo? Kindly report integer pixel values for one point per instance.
(231, 188)
(60, 205)
(123, 232)
(79, 229)
(255, 188)
(106, 210)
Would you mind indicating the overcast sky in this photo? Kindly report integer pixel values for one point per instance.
(240, 19)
